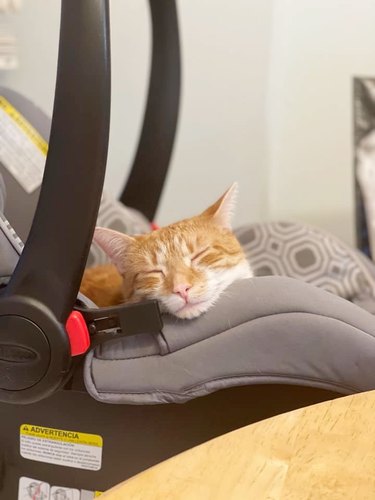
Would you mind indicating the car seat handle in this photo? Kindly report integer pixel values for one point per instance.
(147, 177)
(34, 307)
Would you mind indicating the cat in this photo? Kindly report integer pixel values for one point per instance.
(185, 266)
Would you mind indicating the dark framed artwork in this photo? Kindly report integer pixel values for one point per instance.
(364, 162)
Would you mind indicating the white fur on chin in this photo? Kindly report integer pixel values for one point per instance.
(218, 281)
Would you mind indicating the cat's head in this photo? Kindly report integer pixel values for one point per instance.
(186, 265)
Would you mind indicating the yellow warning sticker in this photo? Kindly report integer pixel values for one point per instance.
(24, 125)
(61, 447)
(60, 435)
(22, 149)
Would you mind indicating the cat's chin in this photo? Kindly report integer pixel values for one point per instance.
(190, 310)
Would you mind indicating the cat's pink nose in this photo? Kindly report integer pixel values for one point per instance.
(182, 290)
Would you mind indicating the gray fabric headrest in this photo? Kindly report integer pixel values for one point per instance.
(263, 330)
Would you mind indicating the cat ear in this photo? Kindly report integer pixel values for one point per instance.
(114, 244)
(222, 211)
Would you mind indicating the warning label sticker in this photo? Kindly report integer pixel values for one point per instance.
(61, 447)
(22, 149)
(35, 489)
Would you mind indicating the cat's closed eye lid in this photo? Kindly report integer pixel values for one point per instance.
(152, 271)
(199, 253)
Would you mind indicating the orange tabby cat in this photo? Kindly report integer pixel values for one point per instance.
(185, 266)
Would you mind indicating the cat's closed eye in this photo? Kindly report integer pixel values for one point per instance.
(199, 254)
(155, 271)
(151, 272)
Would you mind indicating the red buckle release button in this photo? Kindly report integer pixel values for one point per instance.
(78, 333)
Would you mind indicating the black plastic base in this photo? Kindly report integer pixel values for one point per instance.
(135, 437)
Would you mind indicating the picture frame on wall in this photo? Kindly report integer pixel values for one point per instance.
(364, 162)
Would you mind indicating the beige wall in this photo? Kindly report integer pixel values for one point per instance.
(267, 100)
(317, 48)
(221, 136)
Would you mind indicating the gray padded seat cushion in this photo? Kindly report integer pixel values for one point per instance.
(2, 194)
(8, 255)
(20, 206)
(263, 330)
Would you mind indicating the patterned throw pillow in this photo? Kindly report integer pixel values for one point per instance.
(309, 254)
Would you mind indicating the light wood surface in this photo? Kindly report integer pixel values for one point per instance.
(325, 451)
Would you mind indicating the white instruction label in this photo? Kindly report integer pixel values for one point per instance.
(62, 493)
(34, 489)
(22, 149)
(61, 447)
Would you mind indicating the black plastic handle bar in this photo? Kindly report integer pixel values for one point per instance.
(53, 261)
(35, 355)
(145, 183)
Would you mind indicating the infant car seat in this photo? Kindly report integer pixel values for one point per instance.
(271, 345)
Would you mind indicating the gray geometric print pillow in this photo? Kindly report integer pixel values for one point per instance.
(309, 254)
